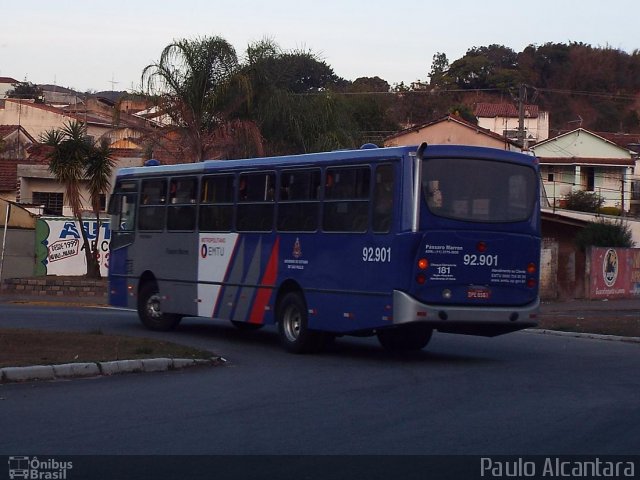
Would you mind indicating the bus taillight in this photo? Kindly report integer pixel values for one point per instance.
(421, 278)
(531, 268)
(481, 247)
(423, 264)
(531, 283)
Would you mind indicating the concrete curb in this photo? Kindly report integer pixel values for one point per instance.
(593, 336)
(95, 369)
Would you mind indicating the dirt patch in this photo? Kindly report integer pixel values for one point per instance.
(22, 347)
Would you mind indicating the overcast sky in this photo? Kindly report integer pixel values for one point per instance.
(87, 45)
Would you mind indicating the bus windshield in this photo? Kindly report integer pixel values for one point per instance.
(475, 190)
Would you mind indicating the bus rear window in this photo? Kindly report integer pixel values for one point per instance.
(479, 190)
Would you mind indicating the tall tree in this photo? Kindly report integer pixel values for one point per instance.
(75, 159)
(99, 166)
(198, 84)
(293, 100)
(495, 66)
(439, 67)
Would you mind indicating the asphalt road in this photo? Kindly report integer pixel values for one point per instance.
(519, 394)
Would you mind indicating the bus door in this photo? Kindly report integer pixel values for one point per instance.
(123, 207)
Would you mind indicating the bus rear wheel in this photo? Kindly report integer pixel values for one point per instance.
(150, 310)
(293, 326)
(405, 338)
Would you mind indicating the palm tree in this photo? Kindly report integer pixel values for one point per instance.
(197, 83)
(99, 166)
(73, 159)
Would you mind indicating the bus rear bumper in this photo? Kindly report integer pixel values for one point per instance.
(473, 320)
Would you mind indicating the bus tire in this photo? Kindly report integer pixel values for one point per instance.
(405, 338)
(293, 326)
(150, 312)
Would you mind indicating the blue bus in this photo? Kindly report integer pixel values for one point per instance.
(394, 242)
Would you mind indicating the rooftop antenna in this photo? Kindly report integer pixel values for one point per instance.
(112, 82)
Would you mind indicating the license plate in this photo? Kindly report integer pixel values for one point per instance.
(478, 294)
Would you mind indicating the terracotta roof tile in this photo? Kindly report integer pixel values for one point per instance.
(7, 129)
(492, 110)
(626, 162)
(452, 118)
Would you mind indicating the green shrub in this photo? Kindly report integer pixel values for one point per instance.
(605, 234)
(582, 201)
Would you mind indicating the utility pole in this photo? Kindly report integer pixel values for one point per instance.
(624, 171)
(113, 82)
(522, 138)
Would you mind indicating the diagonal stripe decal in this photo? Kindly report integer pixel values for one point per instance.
(268, 280)
(246, 292)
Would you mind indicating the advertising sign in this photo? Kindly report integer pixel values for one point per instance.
(60, 248)
(614, 272)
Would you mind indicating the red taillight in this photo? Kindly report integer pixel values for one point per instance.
(481, 247)
(423, 264)
(531, 268)
(421, 279)
(531, 283)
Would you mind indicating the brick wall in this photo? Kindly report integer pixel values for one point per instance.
(53, 286)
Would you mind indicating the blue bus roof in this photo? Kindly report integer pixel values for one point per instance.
(322, 158)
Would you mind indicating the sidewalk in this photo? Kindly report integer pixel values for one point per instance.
(620, 304)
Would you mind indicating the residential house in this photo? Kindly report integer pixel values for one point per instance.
(6, 84)
(56, 95)
(31, 184)
(25, 178)
(630, 141)
(14, 141)
(450, 130)
(504, 119)
(582, 160)
(101, 122)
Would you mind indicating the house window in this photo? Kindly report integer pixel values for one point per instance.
(52, 202)
(550, 175)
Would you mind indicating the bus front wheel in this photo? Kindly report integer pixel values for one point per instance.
(293, 326)
(150, 310)
(405, 338)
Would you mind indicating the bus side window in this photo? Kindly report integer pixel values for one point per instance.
(298, 207)
(182, 209)
(346, 203)
(383, 199)
(152, 209)
(216, 203)
(256, 202)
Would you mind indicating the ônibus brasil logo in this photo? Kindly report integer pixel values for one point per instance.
(38, 469)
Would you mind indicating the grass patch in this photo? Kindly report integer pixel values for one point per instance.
(23, 347)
